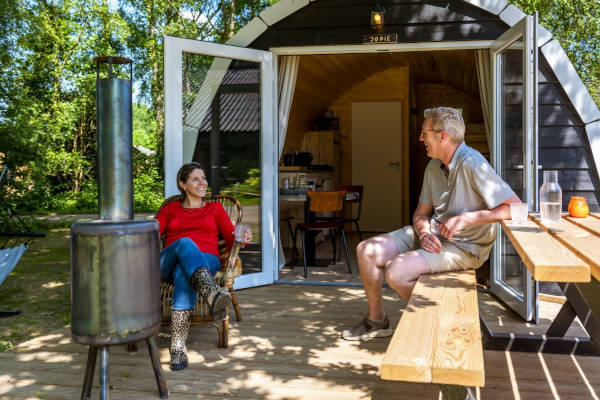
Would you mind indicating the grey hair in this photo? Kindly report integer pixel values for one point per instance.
(447, 119)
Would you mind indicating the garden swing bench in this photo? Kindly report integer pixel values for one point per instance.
(15, 236)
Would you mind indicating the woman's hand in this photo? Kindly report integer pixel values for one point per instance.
(243, 234)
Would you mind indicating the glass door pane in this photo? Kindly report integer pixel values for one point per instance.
(514, 106)
(220, 112)
(511, 149)
(221, 131)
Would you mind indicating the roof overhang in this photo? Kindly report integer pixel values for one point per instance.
(552, 50)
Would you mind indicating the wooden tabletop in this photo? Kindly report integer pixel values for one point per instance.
(565, 251)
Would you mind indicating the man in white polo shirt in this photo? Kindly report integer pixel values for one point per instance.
(453, 225)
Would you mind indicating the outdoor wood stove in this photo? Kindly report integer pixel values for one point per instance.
(115, 278)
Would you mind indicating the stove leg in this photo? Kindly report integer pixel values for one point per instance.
(88, 379)
(104, 385)
(161, 382)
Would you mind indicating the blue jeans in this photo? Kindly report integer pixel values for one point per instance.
(178, 261)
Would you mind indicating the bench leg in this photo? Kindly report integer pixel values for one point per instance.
(456, 392)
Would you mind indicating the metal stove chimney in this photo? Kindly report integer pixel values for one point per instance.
(115, 260)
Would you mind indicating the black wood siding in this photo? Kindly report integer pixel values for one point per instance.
(563, 143)
(337, 22)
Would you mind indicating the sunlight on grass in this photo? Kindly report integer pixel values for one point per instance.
(52, 285)
(39, 287)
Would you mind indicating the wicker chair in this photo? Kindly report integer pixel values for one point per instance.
(232, 268)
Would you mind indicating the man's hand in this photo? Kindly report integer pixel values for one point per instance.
(453, 225)
(431, 243)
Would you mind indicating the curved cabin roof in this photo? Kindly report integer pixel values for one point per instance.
(343, 22)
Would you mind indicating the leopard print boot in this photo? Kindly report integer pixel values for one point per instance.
(217, 299)
(180, 325)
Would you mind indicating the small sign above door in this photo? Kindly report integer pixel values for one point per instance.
(380, 38)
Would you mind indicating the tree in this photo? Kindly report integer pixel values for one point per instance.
(47, 126)
(149, 20)
(576, 25)
(47, 85)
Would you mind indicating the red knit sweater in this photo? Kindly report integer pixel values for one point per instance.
(202, 225)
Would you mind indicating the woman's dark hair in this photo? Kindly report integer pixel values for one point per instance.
(184, 173)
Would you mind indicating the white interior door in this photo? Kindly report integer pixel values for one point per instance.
(376, 152)
(220, 111)
(514, 102)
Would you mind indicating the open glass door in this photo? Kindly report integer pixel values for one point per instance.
(514, 105)
(220, 112)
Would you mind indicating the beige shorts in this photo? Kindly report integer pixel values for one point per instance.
(451, 258)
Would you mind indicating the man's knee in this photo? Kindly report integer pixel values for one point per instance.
(396, 276)
(364, 248)
(405, 269)
(376, 248)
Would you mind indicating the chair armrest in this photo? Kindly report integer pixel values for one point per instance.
(233, 268)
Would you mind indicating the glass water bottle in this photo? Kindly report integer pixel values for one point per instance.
(550, 197)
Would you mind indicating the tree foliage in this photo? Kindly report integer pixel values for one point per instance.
(47, 81)
(47, 87)
(576, 25)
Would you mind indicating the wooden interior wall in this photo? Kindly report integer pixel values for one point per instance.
(322, 79)
(327, 82)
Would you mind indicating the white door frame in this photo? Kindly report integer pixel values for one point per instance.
(173, 52)
(525, 304)
(173, 102)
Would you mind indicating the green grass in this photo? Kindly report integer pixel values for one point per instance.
(39, 286)
(252, 201)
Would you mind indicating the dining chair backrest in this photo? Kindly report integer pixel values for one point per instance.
(326, 201)
(358, 189)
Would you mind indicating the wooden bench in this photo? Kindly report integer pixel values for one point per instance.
(438, 338)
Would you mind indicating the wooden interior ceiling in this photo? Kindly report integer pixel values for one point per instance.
(323, 78)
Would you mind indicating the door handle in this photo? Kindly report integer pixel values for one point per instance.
(395, 164)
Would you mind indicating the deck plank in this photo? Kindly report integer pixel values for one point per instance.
(458, 356)
(410, 354)
(287, 347)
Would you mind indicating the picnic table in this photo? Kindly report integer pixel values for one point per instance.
(566, 252)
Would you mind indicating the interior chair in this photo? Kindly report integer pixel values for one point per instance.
(354, 199)
(317, 204)
(231, 269)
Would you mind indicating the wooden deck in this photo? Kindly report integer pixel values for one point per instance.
(288, 347)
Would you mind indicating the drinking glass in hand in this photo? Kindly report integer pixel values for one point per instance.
(518, 212)
(243, 234)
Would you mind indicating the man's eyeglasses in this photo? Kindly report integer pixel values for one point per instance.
(425, 132)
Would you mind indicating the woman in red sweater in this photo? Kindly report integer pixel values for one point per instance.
(190, 258)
